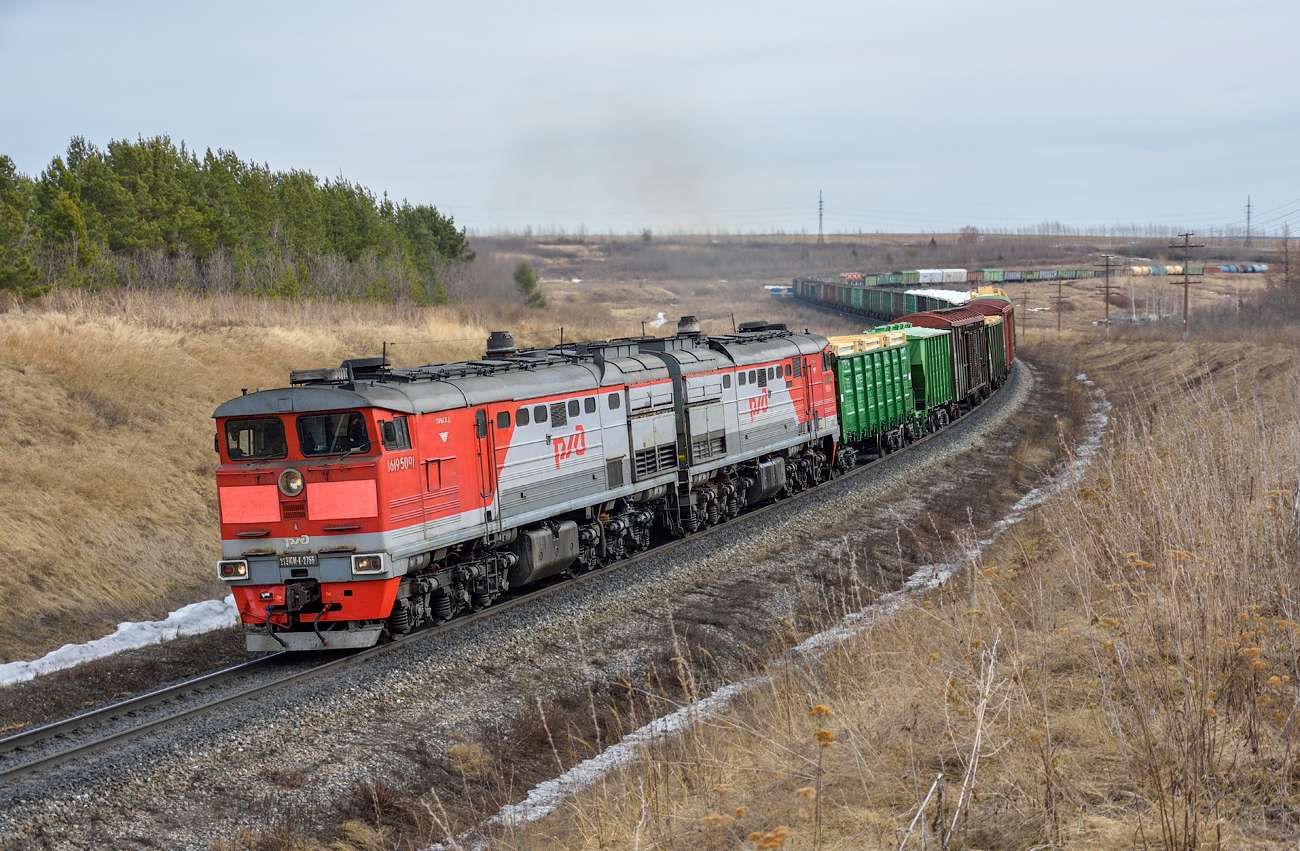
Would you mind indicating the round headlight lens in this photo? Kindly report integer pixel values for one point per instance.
(291, 482)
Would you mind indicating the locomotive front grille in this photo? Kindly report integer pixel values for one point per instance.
(293, 510)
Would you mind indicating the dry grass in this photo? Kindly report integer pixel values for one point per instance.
(1119, 671)
(108, 499)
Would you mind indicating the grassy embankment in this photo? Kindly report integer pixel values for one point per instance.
(108, 503)
(1119, 670)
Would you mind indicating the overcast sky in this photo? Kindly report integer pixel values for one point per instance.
(908, 115)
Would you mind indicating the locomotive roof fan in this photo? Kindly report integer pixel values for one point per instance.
(500, 344)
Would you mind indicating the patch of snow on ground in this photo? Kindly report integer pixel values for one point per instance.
(546, 797)
(193, 619)
(659, 319)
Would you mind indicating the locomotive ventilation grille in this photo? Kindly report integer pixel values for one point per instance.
(651, 461)
(294, 510)
(707, 447)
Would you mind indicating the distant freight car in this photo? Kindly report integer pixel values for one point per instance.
(999, 306)
(969, 344)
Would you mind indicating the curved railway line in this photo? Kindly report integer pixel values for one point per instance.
(36, 752)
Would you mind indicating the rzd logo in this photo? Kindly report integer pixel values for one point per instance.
(758, 404)
(574, 444)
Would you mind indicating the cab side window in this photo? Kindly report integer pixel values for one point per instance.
(396, 434)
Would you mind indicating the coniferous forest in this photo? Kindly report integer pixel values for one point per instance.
(154, 214)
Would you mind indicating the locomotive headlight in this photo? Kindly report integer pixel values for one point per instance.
(230, 570)
(291, 482)
(368, 564)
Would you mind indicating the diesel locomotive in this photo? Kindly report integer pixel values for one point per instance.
(367, 498)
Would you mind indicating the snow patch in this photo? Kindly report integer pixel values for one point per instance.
(193, 619)
(544, 798)
(659, 320)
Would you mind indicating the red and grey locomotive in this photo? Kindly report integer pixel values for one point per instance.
(369, 500)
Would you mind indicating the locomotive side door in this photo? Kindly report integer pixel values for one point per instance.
(485, 454)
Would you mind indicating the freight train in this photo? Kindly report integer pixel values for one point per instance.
(365, 501)
(919, 277)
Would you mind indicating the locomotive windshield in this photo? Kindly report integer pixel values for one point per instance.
(333, 434)
(251, 440)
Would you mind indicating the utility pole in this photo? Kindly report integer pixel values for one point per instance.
(1187, 245)
(1248, 220)
(1024, 311)
(1060, 300)
(1286, 255)
(821, 208)
(1106, 288)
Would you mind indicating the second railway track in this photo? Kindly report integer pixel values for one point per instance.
(38, 750)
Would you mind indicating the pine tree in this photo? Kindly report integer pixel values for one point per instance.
(17, 273)
(526, 283)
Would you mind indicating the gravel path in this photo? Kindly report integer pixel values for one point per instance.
(304, 749)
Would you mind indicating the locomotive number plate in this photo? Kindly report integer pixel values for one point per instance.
(307, 560)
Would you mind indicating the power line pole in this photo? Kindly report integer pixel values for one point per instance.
(821, 207)
(1248, 220)
(1106, 288)
(1187, 245)
(1060, 300)
(1286, 255)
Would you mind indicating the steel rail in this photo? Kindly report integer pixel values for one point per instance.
(28, 739)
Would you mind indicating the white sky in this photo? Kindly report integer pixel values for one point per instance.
(909, 115)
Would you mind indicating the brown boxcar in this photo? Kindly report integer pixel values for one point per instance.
(999, 307)
(970, 348)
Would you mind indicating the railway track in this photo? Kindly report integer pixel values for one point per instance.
(36, 752)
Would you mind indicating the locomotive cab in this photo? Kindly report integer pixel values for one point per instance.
(302, 476)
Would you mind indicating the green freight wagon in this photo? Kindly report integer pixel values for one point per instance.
(911, 278)
(929, 355)
(856, 300)
(992, 276)
(874, 383)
